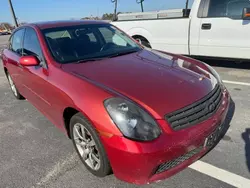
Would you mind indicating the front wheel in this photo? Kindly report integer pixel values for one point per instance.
(88, 146)
(13, 88)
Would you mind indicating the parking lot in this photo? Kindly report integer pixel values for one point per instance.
(34, 153)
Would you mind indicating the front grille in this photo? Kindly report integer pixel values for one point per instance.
(197, 112)
(171, 164)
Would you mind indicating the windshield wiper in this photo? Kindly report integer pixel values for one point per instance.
(122, 53)
(106, 57)
(88, 59)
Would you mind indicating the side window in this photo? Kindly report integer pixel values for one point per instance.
(16, 41)
(235, 8)
(31, 44)
(227, 8)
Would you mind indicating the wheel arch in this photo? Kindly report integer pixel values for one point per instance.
(142, 33)
(142, 40)
(140, 37)
(5, 71)
(68, 113)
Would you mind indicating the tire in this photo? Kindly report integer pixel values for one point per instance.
(143, 42)
(146, 44)
(13, 88)
(104, 168)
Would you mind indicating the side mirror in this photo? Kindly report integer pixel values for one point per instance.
(29, 61)
(246, 14)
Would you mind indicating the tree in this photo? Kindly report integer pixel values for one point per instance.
(91, 18)
(141, 2)
(107, 16)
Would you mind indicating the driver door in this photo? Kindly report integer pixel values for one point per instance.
(35, 77)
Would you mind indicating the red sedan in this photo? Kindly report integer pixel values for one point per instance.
(141, 113)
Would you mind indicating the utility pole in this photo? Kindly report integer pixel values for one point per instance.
(140, 2)
(115, 11)
(13, 13)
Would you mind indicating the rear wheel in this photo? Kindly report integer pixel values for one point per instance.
(13, 88)
(88, 146)
(146, 44)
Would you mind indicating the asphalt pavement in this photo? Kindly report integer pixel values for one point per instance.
(34, 153)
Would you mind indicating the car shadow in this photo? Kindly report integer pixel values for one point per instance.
(246, 138)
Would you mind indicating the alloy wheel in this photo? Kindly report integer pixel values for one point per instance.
(12, 85)
(86, 146)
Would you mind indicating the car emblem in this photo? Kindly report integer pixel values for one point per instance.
(211, 107)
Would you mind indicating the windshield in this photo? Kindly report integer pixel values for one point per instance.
(82, 42)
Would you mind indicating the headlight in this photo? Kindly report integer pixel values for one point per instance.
(133, 122)
(214, 73)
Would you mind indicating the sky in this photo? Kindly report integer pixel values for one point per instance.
(42, 10)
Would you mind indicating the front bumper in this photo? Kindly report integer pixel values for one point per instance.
(147, 162)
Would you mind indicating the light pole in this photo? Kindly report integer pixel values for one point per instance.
(13, 13)
(140, 2)
(115, 11)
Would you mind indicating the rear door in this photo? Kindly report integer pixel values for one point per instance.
(223, 32)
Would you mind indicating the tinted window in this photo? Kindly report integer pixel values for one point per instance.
(87, 42)
(31, 44)
(227, 8)
(16, 41)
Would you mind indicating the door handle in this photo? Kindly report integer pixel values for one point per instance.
(206, 26)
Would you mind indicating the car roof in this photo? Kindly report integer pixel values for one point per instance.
(54, 24)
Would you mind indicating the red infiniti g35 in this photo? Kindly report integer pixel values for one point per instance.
(139, 113)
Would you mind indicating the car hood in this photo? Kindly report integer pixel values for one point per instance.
(160, 82)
